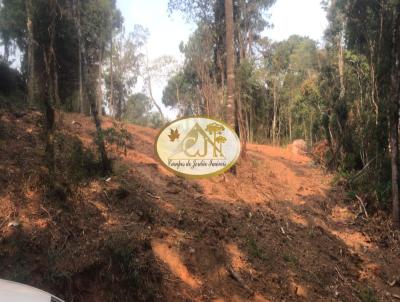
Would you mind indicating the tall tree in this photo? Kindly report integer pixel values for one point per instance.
(394, 116)
(230, 65)
(48, 99)
(148, 80)
(93, 46)
(30, 52)
(126, 55)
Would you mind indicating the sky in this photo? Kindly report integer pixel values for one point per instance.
(305, 18)
(289, 17)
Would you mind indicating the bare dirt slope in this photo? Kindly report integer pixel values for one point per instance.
(278, 231)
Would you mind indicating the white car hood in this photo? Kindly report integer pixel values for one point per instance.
(16, 292)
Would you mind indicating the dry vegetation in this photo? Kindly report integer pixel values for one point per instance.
(278, 231)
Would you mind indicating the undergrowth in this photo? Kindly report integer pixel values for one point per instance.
(367, 295)
(254, 250)
(74, 161)
(137, 276)
(117, 136)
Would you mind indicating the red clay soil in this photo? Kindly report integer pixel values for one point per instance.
(278, 231)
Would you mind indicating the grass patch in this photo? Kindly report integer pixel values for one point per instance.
(289, 258)
(254, 250)
(367, 295)
(132, 269)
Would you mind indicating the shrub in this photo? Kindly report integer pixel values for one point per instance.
(118, 136)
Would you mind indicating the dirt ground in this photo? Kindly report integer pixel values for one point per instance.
(277, 231)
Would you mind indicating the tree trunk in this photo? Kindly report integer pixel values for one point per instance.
(149, 85)
(274, 120)
(150, 89)
(290, 125)
(241, 128)
(230, 65)
(279, 129)
(247, 123)
(112, 74)
(76, 9)
(178, 99)
(49, 124)
(80, 105)
(251, 126)
(52, 56)
(55, 81)
(90, 58)
(90, 79)
(394, 145)
(83, 101)
(99, 92)
(394, 120)
(30, 53)
(341, 67)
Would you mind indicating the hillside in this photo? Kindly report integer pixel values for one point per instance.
(278, 231)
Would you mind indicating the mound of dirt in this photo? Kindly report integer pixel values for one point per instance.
(299, 147)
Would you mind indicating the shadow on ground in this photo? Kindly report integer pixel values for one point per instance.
(276, 232)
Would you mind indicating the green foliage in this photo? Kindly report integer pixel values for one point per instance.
(96, 24)
(118, 136)
(181, 93)
(10, 79)
(138, 111)
(254, 250)
(138, 276)
(19, 274)
(82, 163)
(154, 120)
(127, 57)
(253, 96)
(12, 24)
(356, 122)
(287, 90)
(121, 251)
(200, 86)
(293, 89)
(284, 87)
(136, 107)
(290, 259)
(194, 88)
(12, 86)
(367, 295)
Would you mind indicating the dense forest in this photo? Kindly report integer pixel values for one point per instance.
(341, 96)
(344, 94)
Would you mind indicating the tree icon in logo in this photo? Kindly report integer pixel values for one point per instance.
(216, 129)
(220, 140)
